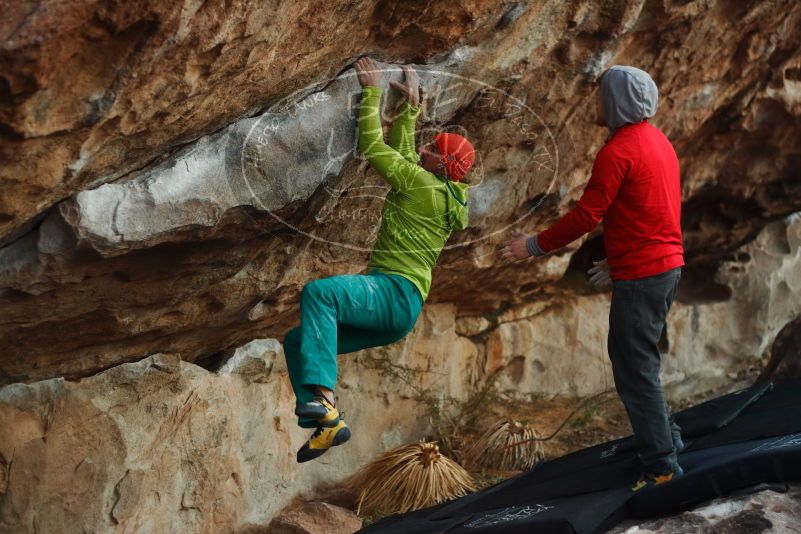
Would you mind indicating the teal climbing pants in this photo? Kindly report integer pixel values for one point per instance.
(343, 314)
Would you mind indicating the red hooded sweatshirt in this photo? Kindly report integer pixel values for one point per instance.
(635, 189)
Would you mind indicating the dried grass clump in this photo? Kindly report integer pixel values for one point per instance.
(507, 445)
(409, 478)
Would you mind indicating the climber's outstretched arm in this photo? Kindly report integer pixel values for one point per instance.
(398, 171)
(401, 136)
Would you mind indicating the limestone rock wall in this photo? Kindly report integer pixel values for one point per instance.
(173, 174)
(557, 346)
(164, 445)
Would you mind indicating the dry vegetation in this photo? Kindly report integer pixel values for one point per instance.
(493, 435)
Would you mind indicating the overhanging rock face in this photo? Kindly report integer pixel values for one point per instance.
(92, 91)
(172, 177)
(266, 162)
(172, 174)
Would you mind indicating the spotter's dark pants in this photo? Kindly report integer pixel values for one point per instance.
(636, 320)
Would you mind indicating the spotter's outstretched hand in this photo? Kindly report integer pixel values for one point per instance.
(515, 249)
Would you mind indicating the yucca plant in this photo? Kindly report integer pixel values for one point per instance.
(409, 478)
(507, 445)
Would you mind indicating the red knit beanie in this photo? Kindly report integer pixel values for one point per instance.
(457, 154)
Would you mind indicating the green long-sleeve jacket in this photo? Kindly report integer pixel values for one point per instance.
(421, 210)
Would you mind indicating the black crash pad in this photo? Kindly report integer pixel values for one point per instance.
(735, 441)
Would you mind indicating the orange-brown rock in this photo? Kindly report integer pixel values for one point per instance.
(166, 445)
(171, 174)
(91, 90)
(114, 251)
(315, 517)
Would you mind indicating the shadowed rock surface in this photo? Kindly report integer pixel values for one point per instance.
(172, 174)
(164, 167)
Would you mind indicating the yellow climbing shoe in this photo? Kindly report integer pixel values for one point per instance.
(323, 439)
(320, 409)
(656, 479)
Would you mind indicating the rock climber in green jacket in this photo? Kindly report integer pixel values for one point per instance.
(342, 314)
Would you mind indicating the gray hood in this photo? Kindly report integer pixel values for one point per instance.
(628, 96)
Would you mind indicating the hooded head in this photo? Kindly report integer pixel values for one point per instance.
(628, 96)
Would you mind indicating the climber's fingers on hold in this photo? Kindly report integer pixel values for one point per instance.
(410, 76)
(400, 87)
